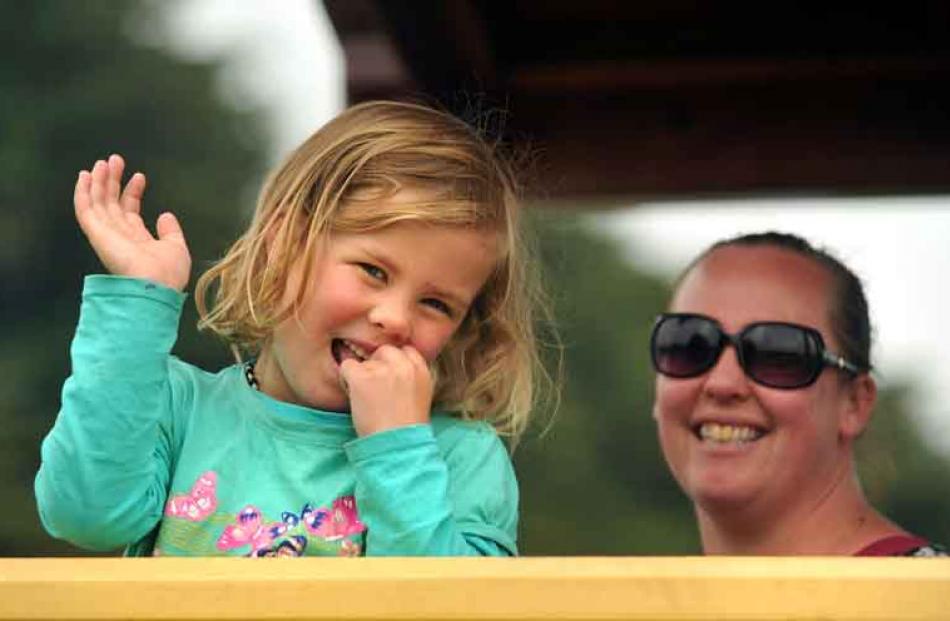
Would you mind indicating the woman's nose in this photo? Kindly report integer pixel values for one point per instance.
(726, 380)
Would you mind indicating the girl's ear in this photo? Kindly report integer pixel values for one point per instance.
(270, 234)
(860, 399)
(289, 268)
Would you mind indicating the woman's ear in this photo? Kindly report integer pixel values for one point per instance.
(861, 395)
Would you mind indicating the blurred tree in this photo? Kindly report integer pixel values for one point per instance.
(595, 482)
(76, 87)
(902, 474)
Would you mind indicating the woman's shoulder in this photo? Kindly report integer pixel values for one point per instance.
(902, 545)
(931, 549)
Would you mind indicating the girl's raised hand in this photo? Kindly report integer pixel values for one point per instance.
(111, 219)
(393, 388)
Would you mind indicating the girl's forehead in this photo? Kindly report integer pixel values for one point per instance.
(370, 207)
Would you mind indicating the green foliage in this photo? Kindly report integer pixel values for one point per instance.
(595, 482)
(75, 89)
(902, 475)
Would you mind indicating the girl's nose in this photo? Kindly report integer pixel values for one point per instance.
(393, 316)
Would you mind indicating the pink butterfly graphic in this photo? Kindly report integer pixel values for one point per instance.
(250, 529)
(197, 504)
(338, 522)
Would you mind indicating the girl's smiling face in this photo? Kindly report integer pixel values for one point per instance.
(406, 284)
(732, 443)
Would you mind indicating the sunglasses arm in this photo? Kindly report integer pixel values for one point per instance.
(839, 363)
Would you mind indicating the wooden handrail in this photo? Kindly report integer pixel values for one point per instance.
(523, 588)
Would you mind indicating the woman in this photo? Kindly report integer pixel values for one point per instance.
(762, 388)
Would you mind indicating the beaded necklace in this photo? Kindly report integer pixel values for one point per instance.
(250, 376)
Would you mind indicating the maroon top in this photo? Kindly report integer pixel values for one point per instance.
(894, 545)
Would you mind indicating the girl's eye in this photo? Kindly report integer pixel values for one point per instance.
(439, 305)
(373, 271)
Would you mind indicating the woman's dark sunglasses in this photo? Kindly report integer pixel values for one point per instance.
(772, 353)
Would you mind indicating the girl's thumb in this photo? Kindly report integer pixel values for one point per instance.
(168, 227)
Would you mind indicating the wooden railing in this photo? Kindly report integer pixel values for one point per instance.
(524, 588)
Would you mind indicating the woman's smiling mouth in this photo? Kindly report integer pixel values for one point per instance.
(722, 433)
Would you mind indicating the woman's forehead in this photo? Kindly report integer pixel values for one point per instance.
(742, 284)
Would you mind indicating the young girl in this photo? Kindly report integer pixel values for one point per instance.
(382, 276)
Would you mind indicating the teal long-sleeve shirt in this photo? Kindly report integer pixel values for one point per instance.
(154, 454)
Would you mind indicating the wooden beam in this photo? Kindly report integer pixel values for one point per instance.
(444, 43)
(632, 75)
(526, 588)
(816, 137)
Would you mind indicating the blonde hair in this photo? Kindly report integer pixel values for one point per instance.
(337, 181)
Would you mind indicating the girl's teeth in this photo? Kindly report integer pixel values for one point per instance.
(716, 432)
(358, 351)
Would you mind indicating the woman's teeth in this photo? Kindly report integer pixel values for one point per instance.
(718, 432)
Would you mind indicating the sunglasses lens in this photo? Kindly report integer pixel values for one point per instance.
(781, 356)
(685, 346)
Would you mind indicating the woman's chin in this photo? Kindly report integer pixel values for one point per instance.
(724, 493)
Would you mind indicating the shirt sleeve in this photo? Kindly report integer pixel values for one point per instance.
(105, 464)
(455, 495)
